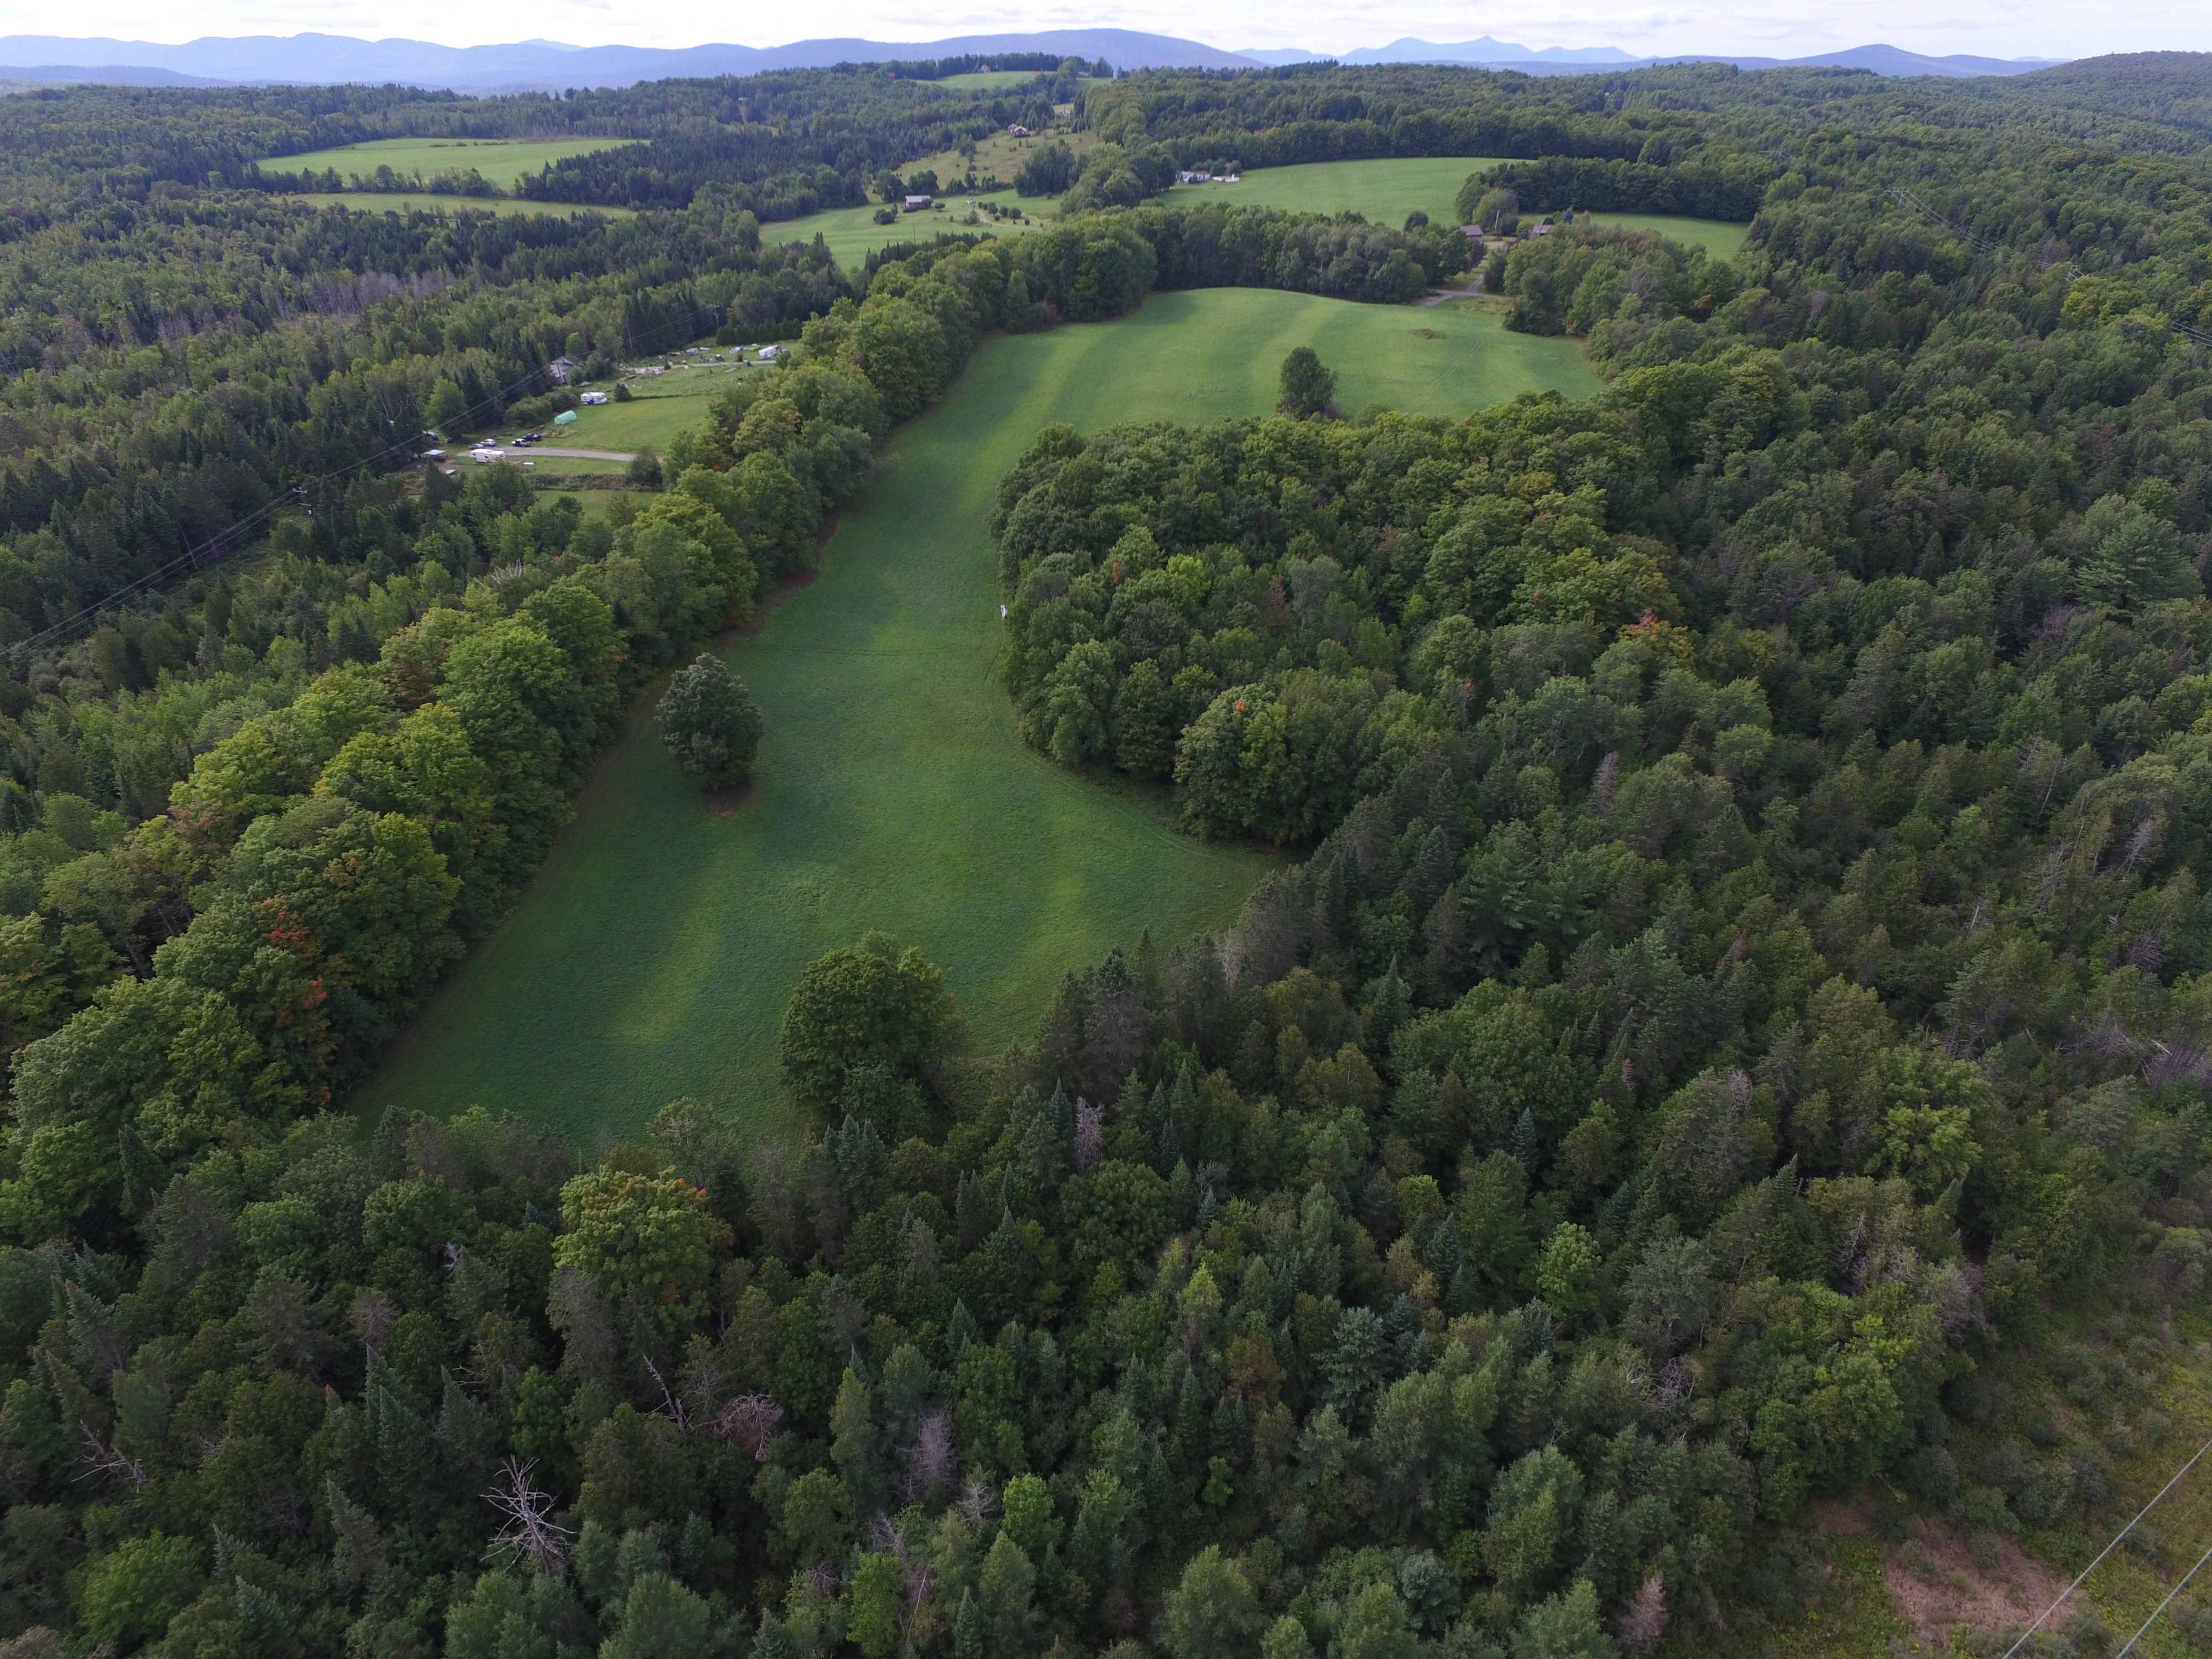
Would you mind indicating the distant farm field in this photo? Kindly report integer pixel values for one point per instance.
(422, 201)
(1719, 238)
(989, 80)
(502, 160)
(653, 955)
(853, 233)
(660, 407)
(1383, 191)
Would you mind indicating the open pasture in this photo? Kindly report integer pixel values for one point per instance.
(653, 955)
(502, 160)
(422, 201)
(1382, 191)
(853, 233)
(1719, 237)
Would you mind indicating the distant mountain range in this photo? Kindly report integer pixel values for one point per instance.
(324, 59)
(1486, 53)
(332, 59)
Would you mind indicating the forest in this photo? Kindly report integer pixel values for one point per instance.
(1733, 1035)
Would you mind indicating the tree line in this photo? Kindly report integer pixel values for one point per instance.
(1734, 1031)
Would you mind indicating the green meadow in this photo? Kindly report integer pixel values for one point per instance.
(853, 233)
(993, 80)
(660, 407)
(1382, 191)
(652, 956)
(1719, 238)
(422, 201)
(502, 160)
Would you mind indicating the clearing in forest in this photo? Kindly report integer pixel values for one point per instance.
(1383, 191)
(422, 201)
(1720, 238)
(653, 955)
(503, 161)
(852, 234)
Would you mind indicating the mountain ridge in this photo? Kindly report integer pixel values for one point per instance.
(314, 58)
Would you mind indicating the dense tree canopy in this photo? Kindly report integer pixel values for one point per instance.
(1734, 1034)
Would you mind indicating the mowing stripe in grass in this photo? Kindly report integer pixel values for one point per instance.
(653, 955)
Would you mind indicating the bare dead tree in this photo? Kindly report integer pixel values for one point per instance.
(1644, 1620)
(1090, 1134)
(373, 1315)
(530, 1530)
(670, 1407)
(107, 1459)
(932, 1458)
(749, 1419)
(977, 1501)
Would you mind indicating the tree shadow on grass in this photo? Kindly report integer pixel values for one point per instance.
(722, 803)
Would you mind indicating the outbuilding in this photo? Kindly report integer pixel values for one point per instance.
(917, 204)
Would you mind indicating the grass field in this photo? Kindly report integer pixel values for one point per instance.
(853, 233)
(1384, 192)
(410, 201)
(653, 955)
(502, 160)
(660, 407)
(992, 80)
(1717, 237)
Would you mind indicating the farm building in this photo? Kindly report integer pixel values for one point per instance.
(1017, 130)
(560, 369)
(916, 203)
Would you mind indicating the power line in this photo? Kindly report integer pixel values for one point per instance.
(2161, 1607)
(2106, 1550)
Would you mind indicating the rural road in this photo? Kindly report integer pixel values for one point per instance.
(565, 454)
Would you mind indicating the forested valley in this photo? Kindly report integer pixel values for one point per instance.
(1734, 1037)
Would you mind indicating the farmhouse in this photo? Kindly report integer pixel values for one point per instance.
(560, 369)
(917, 204)
(1194, 176)
(1017, 130)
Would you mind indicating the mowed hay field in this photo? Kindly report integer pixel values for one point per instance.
(1719, 237)
(1382, 191)
(653, 955)
(852, 234)
(502, 160)
(660, 407)
(422, 201)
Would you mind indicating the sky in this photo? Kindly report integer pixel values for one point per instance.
(1781, 28)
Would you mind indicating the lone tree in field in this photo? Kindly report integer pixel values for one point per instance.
(1307, 386)
(875, 1007)
(708, 722)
